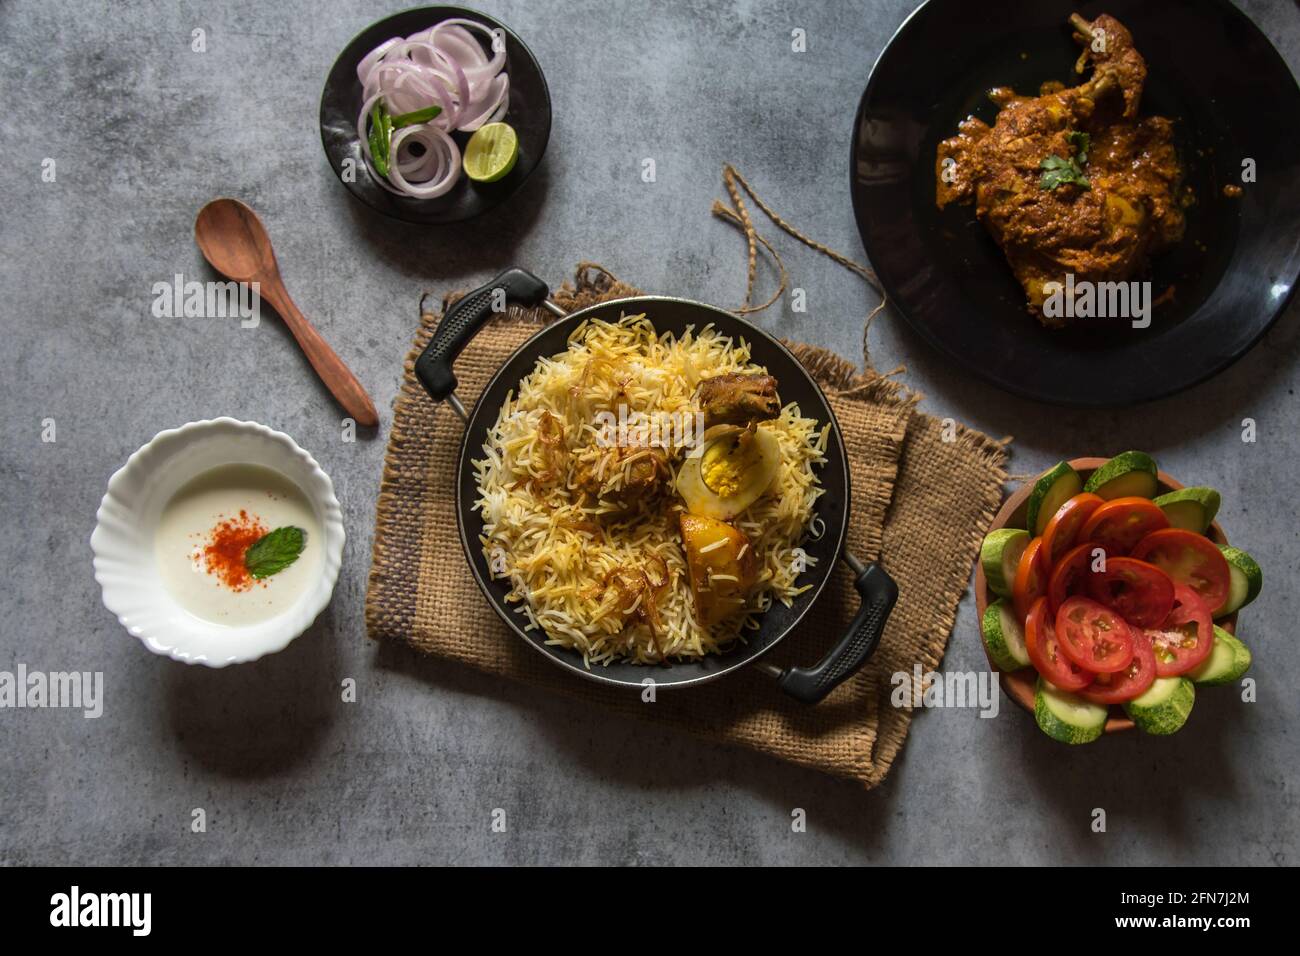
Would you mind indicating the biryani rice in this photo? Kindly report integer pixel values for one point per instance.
(556, 545)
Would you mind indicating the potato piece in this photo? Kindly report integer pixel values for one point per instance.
(722, 566)
(1121, 212)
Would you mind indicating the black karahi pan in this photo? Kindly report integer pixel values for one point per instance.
(876, 589)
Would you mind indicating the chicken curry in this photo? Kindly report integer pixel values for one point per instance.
(1072, 181)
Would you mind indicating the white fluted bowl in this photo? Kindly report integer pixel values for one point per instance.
(123, 540)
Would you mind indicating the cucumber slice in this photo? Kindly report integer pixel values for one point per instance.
(1067, 718)
(1000, 556)
(1163, 709)
(1227, 661)
(1057, 485)
(1128, 474)
(1192, 509)
(1245, 580)
(1004, 637)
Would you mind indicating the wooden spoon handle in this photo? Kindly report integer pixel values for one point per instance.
(338, 378)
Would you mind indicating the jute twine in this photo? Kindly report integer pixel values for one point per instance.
(738, 215)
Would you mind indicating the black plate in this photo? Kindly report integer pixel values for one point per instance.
(1232, 97)
(668, 315)
(529, 113)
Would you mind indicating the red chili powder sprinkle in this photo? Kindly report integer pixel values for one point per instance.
(223, 555)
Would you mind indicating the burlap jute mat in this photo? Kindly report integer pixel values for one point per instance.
(922, 497)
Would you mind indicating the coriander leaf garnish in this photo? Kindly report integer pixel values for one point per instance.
(274, 551)
(1057, 171)
(1081, 141)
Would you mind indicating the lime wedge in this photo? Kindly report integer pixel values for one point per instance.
(491, 152)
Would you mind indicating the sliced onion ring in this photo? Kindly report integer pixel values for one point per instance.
(447, 164)
(444, 66)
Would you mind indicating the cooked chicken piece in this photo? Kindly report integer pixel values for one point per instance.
(1108, 47)
(622, 473)
(734, 398)
(1071, 181)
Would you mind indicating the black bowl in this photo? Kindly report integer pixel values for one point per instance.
(529, 113)
(832, 508)
(1232, 97)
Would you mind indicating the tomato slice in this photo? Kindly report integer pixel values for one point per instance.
(1063, 529)
(1068, 575)
(1094, 636)
(1141, 593)
(1186, 636)
(1120, 524)
(1045, 651)
(1031, 579)
(1131, 681)
(1191, 559)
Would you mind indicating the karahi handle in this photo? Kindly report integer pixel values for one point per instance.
(879, 593)
(464, 320)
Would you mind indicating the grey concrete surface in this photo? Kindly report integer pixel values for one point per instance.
(144, 131)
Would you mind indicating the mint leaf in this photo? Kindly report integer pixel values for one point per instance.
(274, 551)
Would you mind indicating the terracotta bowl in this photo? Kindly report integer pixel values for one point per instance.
(1019, 685)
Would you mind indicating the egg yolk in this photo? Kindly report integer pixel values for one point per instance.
(722, 477)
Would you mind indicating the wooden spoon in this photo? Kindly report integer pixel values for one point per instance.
(236, 244)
